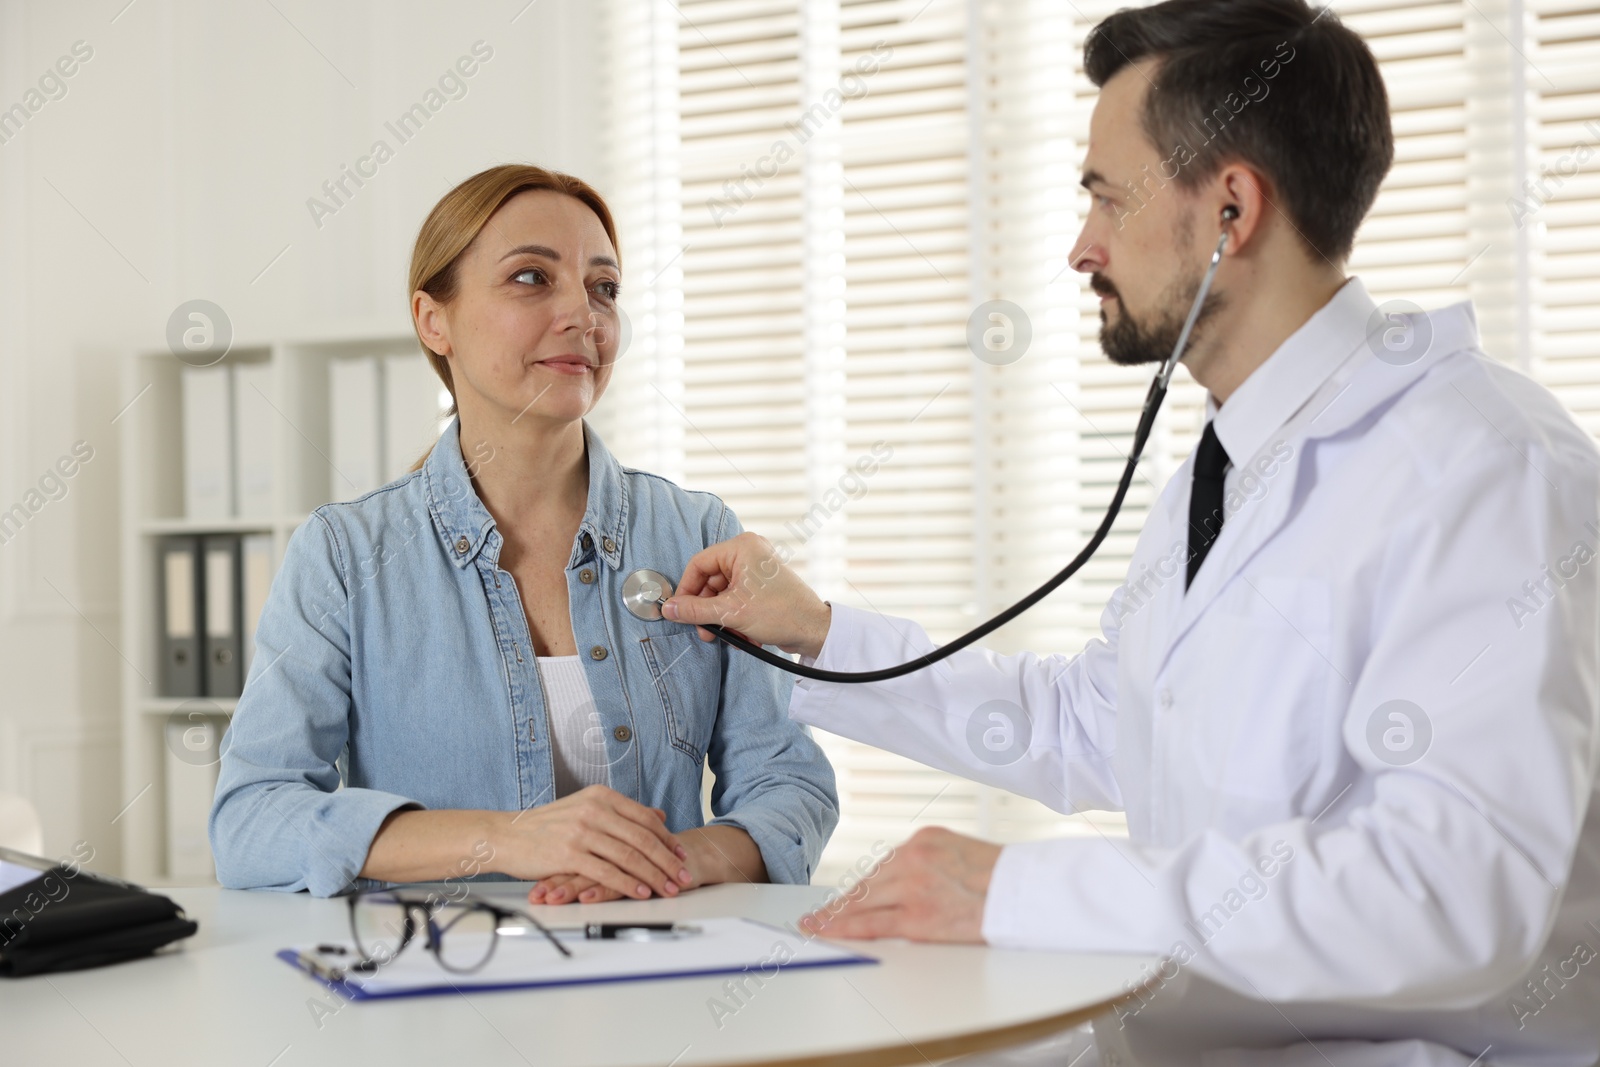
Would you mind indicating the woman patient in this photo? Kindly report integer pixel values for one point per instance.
(446, 682)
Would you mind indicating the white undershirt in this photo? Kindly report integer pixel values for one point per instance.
(577, 740)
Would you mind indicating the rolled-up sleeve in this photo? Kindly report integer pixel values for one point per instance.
(280, 819)
(772, 778)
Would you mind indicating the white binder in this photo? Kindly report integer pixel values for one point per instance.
(255, 425)
(357, 427)
(208, 443)
(192, 755)
(411, 411)
(256, 552)
(178, 618)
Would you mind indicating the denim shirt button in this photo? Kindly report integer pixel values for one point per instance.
(597, 652)
(611, 546)
(588, 542)
(622, 733)
(462, 544)
(586, 576)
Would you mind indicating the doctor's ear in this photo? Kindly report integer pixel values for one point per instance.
(1244, 201)
(432, 325)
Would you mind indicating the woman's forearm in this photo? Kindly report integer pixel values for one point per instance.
(430, 846)
(721, 853)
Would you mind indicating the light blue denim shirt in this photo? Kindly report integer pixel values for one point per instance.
(393, 668)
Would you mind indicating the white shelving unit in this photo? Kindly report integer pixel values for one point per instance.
(153, 508)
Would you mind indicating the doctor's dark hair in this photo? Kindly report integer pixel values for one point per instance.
(458, 218)
(1319, 132)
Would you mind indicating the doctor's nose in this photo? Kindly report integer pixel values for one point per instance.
(1086, 256)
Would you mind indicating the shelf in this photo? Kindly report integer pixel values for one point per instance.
(164, 527)
(168, 705)
(296, 446)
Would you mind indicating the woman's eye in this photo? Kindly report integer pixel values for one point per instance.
(609, 290)
(533, 275)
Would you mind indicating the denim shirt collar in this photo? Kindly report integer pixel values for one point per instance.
(464, 525)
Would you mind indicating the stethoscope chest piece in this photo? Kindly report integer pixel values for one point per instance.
(643, 592)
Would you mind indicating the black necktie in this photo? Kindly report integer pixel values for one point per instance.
(1205, 498)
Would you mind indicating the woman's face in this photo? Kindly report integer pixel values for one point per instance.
(533, 330)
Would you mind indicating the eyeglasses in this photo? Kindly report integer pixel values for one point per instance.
(462, 935)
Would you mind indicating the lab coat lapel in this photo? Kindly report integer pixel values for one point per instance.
(1173, 531)
(1243, 533)
(1350, 396)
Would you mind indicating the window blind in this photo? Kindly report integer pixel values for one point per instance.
(815, 199)
(1558, 207)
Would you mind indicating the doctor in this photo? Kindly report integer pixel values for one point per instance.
(1347, 693)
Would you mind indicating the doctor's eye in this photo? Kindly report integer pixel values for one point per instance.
(1101, 202)
(538, 276)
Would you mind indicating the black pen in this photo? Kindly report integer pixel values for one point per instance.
(638, 931)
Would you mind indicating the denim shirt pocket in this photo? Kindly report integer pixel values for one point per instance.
(687, 676)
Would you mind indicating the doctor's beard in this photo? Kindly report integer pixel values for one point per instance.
(1130, 342)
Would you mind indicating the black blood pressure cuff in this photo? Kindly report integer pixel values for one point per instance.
(68, 919)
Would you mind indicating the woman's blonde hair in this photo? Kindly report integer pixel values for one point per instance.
(458, 218)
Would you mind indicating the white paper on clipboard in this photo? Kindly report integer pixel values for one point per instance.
(725, 946)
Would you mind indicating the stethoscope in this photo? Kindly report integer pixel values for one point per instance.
(645, 591)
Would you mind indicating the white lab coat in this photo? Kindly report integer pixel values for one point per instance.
(1318, 870)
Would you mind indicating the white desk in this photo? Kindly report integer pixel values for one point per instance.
(224, 999)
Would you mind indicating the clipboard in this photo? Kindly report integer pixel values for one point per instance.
(725, 946)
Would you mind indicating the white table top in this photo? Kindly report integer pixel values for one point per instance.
(224, 999)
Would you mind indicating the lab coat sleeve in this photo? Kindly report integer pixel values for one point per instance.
(1039, 726)
(772, 778)
(280, 819)
(1431, 883)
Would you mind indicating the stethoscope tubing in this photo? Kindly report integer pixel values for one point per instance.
(1147, 419)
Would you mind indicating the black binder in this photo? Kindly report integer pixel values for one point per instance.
(221, 621)
(68, 919)
(182, 610)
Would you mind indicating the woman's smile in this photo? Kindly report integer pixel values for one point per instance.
(566, 364)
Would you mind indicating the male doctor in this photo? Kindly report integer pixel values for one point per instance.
(1347, 693)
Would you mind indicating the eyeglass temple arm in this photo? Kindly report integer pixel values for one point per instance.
(539, 926)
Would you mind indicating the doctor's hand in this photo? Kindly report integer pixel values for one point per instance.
(932, 888)
(741, 584)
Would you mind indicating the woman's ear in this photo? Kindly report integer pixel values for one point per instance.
(432, 324)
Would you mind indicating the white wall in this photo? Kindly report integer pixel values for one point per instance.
(177, 166)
